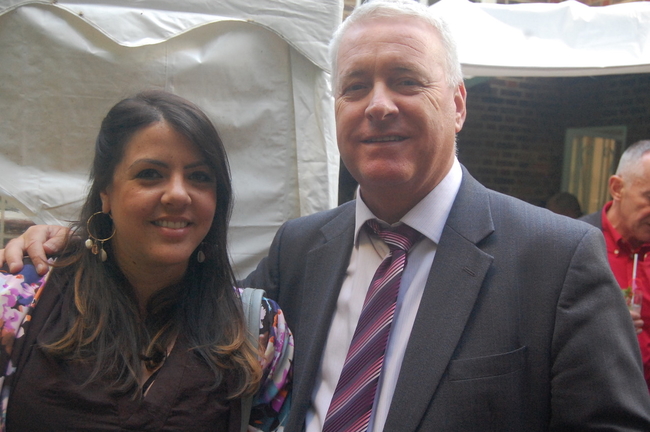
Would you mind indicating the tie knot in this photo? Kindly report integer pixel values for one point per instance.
(400, 237)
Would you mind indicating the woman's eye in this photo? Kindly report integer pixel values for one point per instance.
(149, 173)
(201, 176)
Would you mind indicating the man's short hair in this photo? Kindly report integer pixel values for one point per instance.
(629, 162)
(396, 9)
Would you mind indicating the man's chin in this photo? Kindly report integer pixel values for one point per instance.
(384, 182)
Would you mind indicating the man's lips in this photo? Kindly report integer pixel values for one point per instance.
(388, 138)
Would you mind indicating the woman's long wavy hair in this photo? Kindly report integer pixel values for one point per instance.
(105, 327)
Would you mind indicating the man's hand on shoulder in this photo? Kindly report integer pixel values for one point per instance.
(38, 242)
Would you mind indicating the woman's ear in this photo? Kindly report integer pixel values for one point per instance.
(106, 203)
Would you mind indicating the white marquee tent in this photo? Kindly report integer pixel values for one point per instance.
(549, 39)
(259, 68)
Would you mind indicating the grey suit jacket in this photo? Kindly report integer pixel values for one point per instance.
(520, 328)
(594, 219)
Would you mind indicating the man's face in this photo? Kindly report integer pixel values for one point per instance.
(396, 116)
(633, 195)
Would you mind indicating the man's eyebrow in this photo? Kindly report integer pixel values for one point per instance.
(400, 68)
(356, 73)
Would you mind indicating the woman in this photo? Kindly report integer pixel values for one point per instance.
(140, 327)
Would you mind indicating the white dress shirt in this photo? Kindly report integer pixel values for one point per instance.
(428, 217)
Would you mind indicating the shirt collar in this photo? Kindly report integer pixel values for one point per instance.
(429, 215)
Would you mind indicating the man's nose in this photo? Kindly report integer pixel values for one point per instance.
(381, 105)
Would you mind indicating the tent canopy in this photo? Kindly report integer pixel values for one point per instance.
(549, 39)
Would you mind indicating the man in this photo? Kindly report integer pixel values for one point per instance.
(625, 223)
(507, 318)
(565, 204)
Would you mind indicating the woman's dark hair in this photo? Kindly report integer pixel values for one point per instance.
(106, 327)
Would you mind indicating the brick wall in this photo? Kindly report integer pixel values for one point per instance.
(610, 101)
(513, 139)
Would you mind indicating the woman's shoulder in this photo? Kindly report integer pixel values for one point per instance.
(26, 283)
(19, 293)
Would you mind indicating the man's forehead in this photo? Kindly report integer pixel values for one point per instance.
(390, 30)
(395, 50)
(357, 71)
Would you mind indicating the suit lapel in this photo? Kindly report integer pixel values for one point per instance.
(451, 290)
(325, 269)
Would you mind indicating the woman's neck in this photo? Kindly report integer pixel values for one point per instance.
(147, 280)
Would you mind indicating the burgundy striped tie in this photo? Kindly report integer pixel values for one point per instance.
(355, 392)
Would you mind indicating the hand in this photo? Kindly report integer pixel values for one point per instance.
(637, 321)
(37, 242)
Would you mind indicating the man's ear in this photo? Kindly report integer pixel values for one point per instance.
(615, 187)
(460, 99)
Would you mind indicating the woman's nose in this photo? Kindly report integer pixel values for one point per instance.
(176, 192)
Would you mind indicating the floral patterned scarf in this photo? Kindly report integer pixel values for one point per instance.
(19, 294)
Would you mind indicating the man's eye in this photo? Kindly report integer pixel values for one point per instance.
(354, 88)
(148, 173)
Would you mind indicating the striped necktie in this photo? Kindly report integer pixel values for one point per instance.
(355, 391)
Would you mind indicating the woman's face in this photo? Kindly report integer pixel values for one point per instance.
(162, 201)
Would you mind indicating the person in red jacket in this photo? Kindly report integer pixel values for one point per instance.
(625, 222)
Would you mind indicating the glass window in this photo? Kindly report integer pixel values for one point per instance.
(590, 158)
